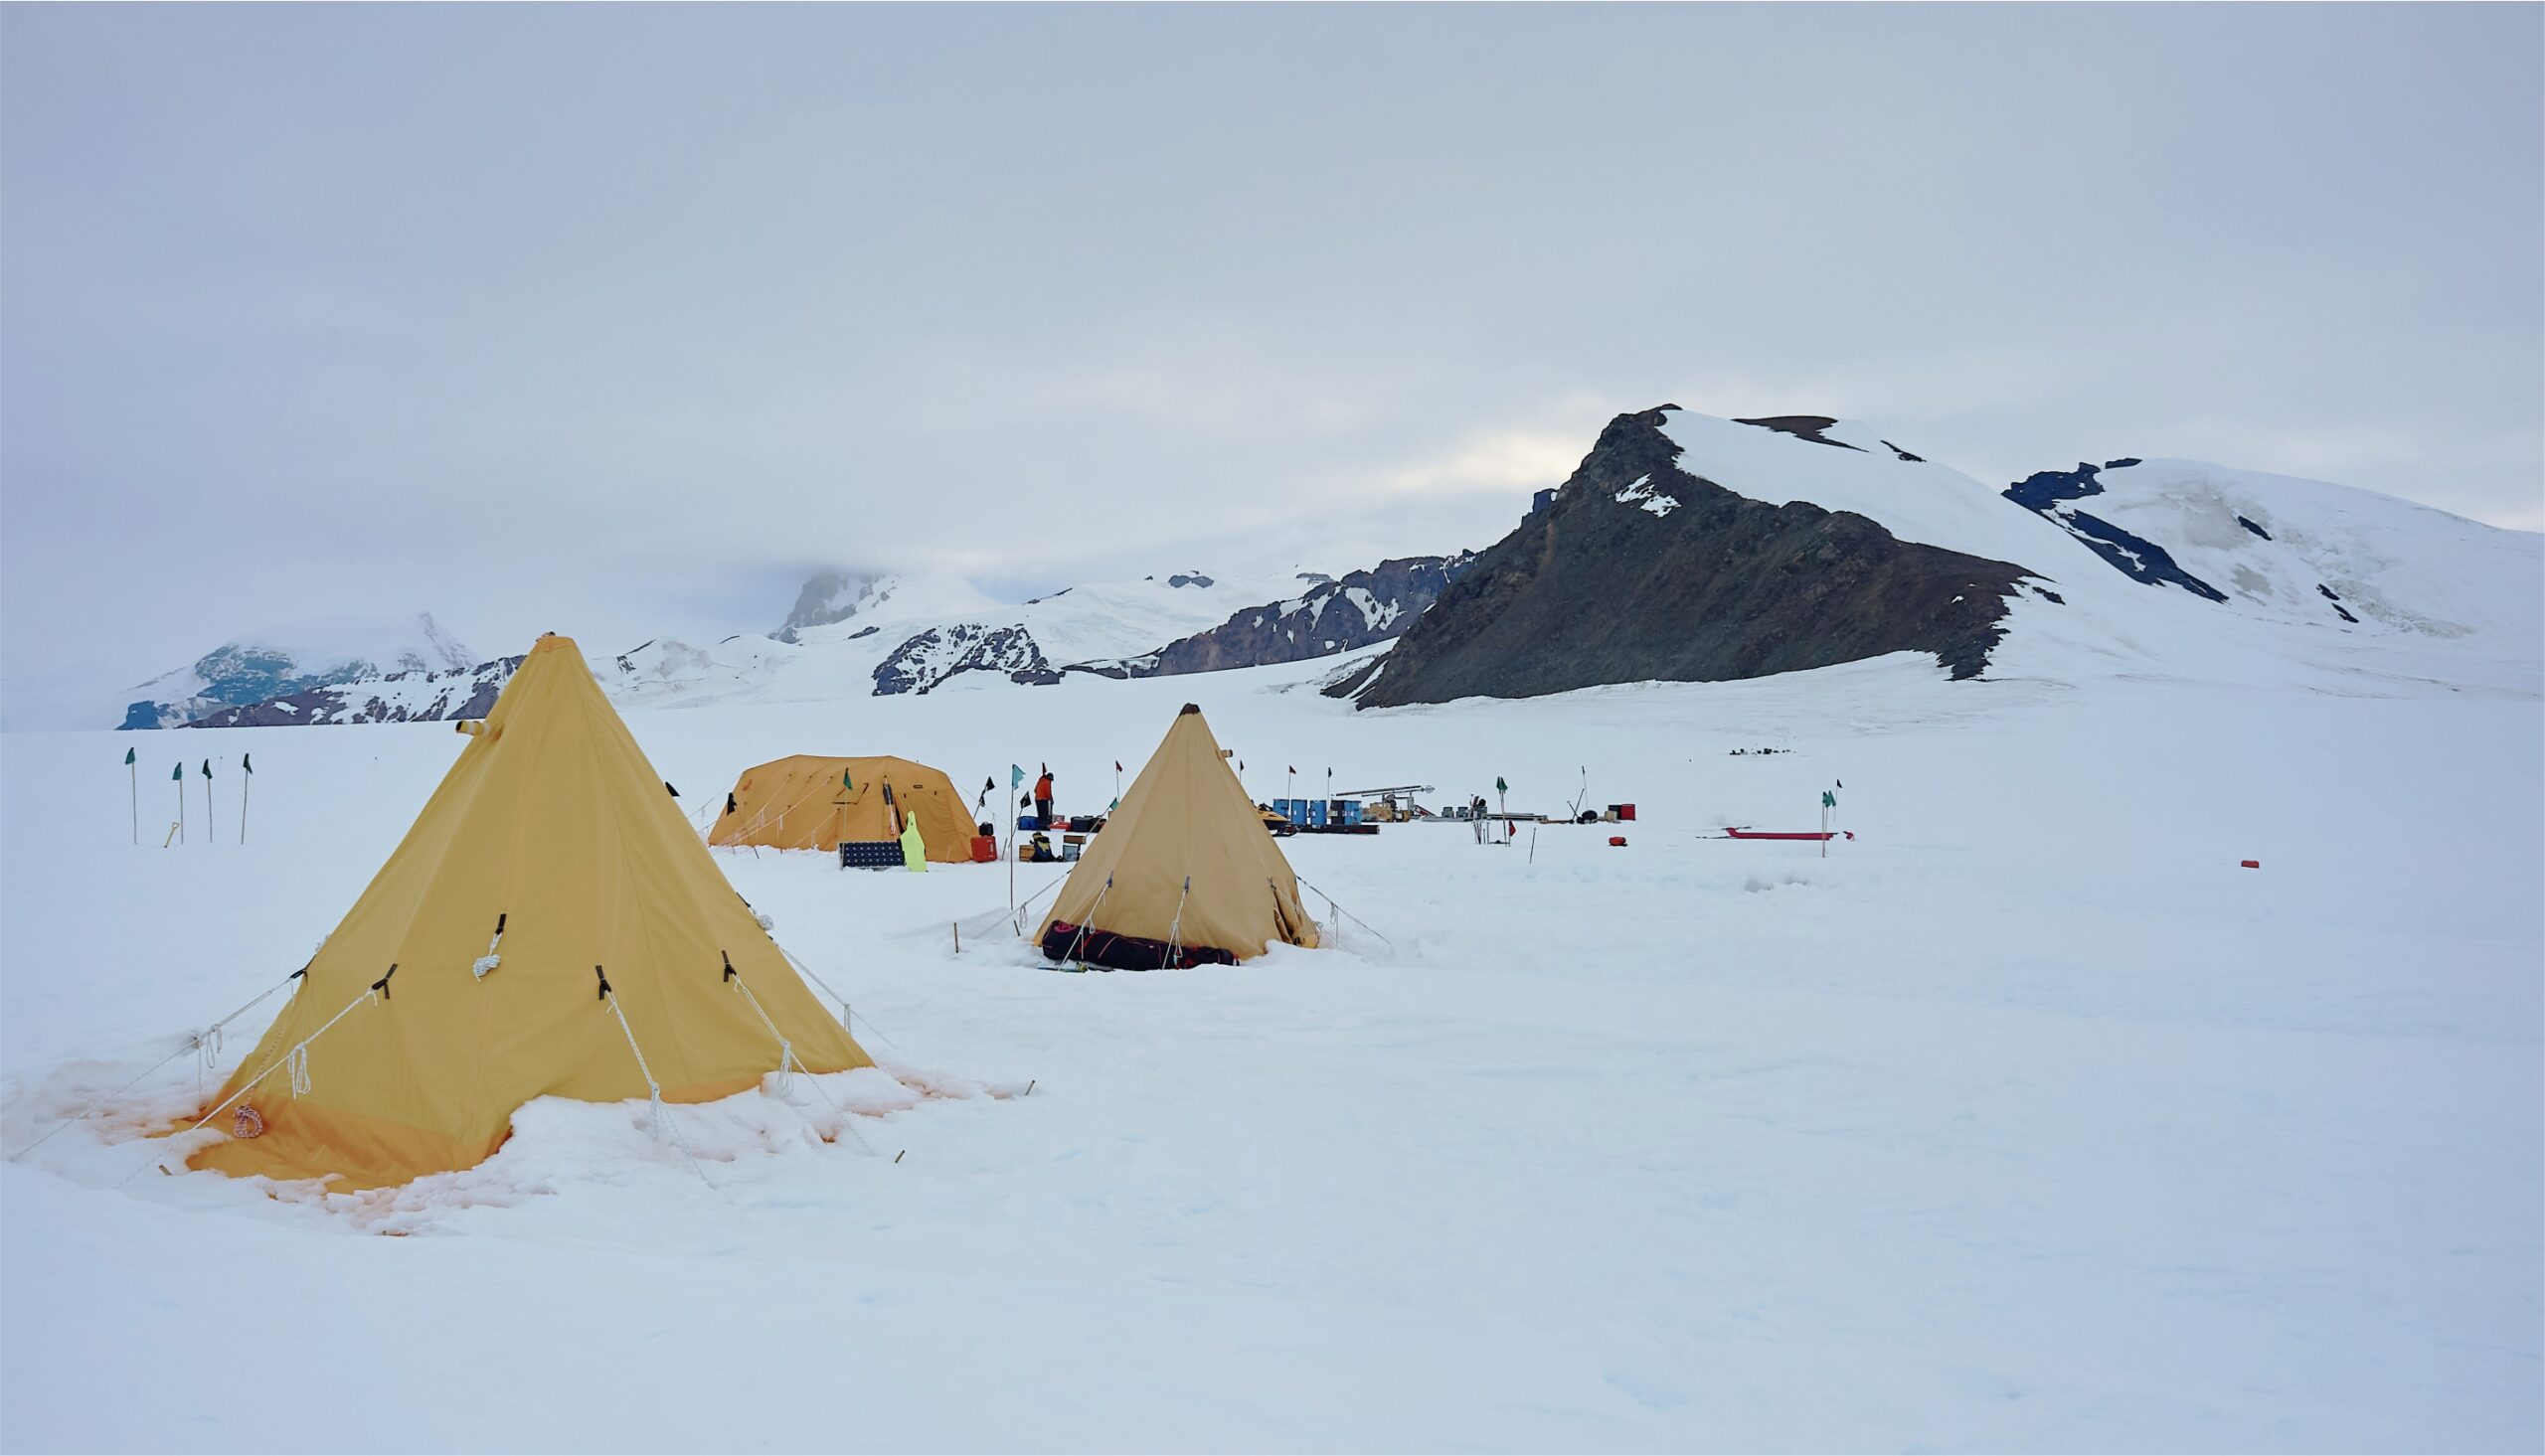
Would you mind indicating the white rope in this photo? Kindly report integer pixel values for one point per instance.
(297, 1059)
(1347, 914)
(207, 1056)
(1027, 909)
(786, 1048)
(844, 1012)
(102, 1102)
(298, 1053)
(662, 1119)
(1175, 932)
(1088, 923)
(787, 1055)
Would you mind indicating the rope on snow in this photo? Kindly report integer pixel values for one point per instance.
(787, 1055)
(1355, 919)
(297, 1058)
(661, 1115)
(205, 1044)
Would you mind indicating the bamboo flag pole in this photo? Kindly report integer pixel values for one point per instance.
(210, 831)
(1828, 801)
(246, 771)
(178, 773)
(134, 773)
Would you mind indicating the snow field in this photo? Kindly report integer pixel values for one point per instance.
(2028, 1120)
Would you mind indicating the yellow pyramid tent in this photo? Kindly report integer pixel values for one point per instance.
(1185, 823)
(548, 908)
(808, 802)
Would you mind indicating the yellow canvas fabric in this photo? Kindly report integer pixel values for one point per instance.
(553, 819)
(798, 804)
(1187, 814)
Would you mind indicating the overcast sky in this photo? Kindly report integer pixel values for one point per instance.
(619, 320)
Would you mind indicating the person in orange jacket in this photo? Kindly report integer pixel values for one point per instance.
(1043, 797)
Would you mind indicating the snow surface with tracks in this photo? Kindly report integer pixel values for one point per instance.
(2026, 1120)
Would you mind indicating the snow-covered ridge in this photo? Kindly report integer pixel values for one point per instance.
(2297, 551)
(2242, 543)
(295, 658)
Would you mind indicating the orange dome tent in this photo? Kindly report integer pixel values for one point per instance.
(808, 802)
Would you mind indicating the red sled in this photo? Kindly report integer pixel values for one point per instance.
(1756, 834)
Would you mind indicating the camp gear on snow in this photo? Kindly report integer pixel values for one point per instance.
(984, 848)
(808, 802)
(1185, 818)
(549, 819)
(1125, 952)
(914, 845)
(1618, 840)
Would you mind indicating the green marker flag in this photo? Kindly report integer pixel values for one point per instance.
(246, 764)
(1828, 800)
(247, 770)
(178, 773)
(128, 755)
(133, 776)
(1500, 786)
(1015, 777)
(844, 776)
(207, 768)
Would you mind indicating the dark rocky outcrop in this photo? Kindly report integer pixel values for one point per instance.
(2047, 492)
(1803, 427)
(940, 653)
(1637, 571)
(1332, 615)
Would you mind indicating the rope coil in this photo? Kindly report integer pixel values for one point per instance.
(297, 1058)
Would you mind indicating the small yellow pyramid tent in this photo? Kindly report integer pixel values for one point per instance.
(808, 802)
(1186, 820)
(550, 848)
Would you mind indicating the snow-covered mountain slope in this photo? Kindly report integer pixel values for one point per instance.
(835, 594)
(1330, 615)
(920, 633)
(1653, 563)
(408, 697)
(294, 658)
(2295, 551)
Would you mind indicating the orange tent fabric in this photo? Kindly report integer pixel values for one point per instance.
(801, 803)
(1186, 816)
(430, 1028)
